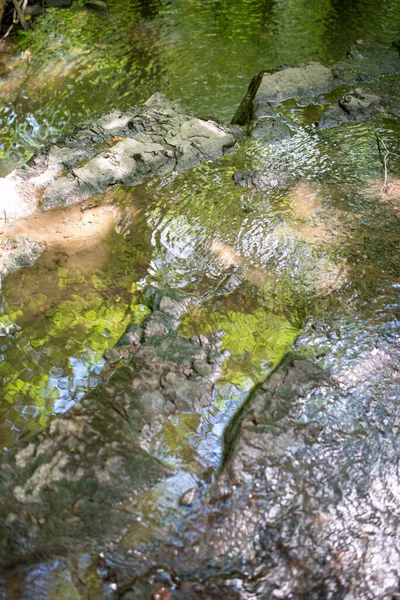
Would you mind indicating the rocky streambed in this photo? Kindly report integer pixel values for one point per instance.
(301, 219)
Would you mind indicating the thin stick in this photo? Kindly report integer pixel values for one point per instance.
(20, 15)
(7, 32)
(383, 159)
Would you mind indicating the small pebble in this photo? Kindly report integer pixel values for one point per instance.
(188, 497)
(162, 594)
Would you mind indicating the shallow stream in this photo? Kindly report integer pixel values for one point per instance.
(318, 257)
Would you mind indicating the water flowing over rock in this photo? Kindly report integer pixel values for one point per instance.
(62, 486)
(301, 505)
(305, 502)
(117, 148)
(309, 84)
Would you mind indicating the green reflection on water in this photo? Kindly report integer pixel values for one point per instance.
(54, 358)
(56, 322)
(256, 340)
(202, 53)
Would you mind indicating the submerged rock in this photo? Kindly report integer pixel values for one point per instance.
(116, 148)
(305, 506)
(261, 179)
(262, 432)
(306, 488)
(17, 252)
(61, 490)
(366, 61)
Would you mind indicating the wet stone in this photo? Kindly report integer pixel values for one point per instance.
(188, 497)
(73, 476)
(354, 106)
(258, 108)
(18, 252)
(261, 179)
(291, 491)
(152, 139)
(253, 434)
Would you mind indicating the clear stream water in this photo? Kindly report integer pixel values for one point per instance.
(243, 252)
(318, 255)
(265, 263)
(78, 64)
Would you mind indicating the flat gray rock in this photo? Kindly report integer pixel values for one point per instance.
(294, 82)
(118, 148)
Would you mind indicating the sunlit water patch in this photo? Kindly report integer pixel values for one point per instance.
(60, 316)
(255, 337)
(76, 64)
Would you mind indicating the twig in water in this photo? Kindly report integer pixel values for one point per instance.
(7, 32)
(383, 159)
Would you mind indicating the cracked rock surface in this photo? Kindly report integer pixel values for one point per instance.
(119, 148)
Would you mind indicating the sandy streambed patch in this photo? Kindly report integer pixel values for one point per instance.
(76, 232)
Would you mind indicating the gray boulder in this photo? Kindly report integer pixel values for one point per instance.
(305, 81)
(120, 148)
